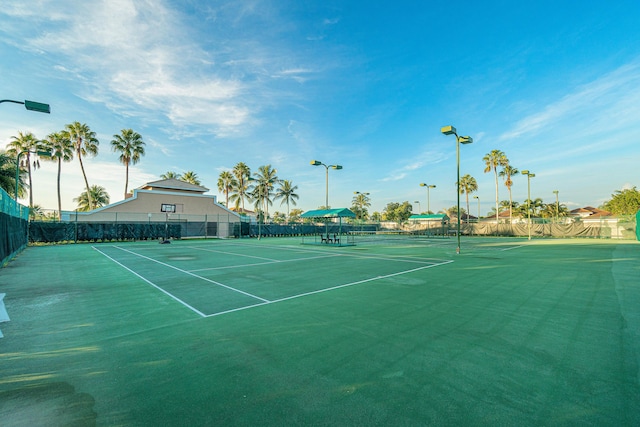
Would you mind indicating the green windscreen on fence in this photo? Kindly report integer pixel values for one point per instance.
(13, 227)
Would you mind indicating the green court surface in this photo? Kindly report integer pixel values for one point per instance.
(271, 332)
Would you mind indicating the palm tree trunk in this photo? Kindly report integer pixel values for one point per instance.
(467, 195)
(86, 183)
(30, 182)
(126, 179)
(59, 198)
(495, 170)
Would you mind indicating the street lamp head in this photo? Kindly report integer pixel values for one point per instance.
(432, 186)
(531, 175)
(465, 140)
(337, 167)
(422, 184)
(525, 172)
(448, 130)
(37, 106)
(476, 197)
(315, 163)
(555, 191)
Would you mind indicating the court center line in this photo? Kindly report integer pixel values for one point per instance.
(231, 253)
(319, 291)
(262, 263)
(513, 247)
(151, 283)
(194, 275)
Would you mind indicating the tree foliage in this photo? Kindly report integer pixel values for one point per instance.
(397, 212)
(97, 199)
(623, 202)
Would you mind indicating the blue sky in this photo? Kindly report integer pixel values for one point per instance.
(367, 85)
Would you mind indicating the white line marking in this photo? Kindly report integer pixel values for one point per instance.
(231, 253)
(514, 247)
(152, 284)
(371, 279)
(194, 275)
(262, 263)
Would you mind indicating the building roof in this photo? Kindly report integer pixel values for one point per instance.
(174, 184)
(329, 213)
(430, 217)
(589, 211)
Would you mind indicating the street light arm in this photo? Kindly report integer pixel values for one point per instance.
(31, 105)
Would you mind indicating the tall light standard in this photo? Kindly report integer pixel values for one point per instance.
(31, 105)
(422, 184)
(419, 208)
(476, 197)
(450, 130)
(529, 176)
(336, 167)
(557, 205)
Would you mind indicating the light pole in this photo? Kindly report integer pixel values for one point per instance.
(31, 105)
(557, 205)
(529, 176)
(476, 197)
(336, 167)
(450, 130)
(422, 184)
(40, 153)
(419, 208)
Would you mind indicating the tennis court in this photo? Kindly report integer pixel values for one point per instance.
(390, 331)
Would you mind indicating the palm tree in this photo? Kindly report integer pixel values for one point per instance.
(492, 160)
(468, 185)
(266, 177)
(190, 177)
(61, 150)
(226, 183)
(25, 144)
(8, 175)
(287, 192)
(131, 147)
(98, 198)
(507, 172)
(85, 144)
(360, 203)
(170, 175)
(242, 174)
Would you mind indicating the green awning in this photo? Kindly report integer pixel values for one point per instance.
(329, 213)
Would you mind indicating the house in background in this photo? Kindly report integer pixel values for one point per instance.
(167, 200)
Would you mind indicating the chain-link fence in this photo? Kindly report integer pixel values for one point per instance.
(78, 226)
(13, 227)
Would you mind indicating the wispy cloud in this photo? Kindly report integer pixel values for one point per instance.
(600, 99)
(116, 47)
(417, 162)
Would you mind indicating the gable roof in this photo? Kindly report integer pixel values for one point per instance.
(329, 213)
(174, 184)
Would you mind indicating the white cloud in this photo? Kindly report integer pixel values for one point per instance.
(599, 101)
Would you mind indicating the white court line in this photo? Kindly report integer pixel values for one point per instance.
(231, 253)
(402, 258)
(152, 284)
(319, 291)
(514, 247)
(263, 263)
(194, 275)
